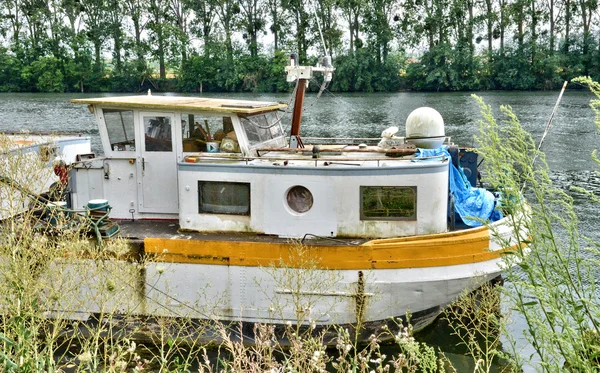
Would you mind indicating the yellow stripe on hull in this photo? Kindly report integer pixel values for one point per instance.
(468, 246)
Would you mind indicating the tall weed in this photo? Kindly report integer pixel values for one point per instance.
(554, 283)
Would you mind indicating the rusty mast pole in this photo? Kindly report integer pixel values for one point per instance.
(297, 113)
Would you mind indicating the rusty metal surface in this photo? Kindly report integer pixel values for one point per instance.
(136, 231)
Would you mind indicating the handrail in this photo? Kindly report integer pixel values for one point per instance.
(408, 150)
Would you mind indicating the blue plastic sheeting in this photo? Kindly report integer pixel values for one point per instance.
(473, 205)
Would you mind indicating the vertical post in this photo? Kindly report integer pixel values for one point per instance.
(297, 114)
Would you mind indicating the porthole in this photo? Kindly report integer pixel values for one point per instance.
(299, 199)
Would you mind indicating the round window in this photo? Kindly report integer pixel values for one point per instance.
(299, 199)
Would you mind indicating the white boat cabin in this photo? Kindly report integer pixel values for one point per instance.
(221, 165)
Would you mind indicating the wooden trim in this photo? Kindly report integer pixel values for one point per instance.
(472, 246)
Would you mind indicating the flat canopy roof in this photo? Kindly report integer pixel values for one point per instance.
(183, 103)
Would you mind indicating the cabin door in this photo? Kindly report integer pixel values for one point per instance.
(157, 166)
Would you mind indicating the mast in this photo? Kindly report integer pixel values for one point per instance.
(303, 74)
(297, 114)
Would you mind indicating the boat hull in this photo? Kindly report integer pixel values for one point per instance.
(321, 283)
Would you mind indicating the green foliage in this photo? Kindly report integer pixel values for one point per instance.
(362, 72)
(10, 80)
(86, 38)
(45, 75)
(435, 71)
(553, 284)
(513, 71)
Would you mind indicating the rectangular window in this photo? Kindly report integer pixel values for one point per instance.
(388, 203)
(263, 128)
(215, 197)
(198, 131)
(157, 134)
(120, 128)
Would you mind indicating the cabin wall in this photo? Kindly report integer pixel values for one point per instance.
(69, 149)
(112, 179)
(336, 199)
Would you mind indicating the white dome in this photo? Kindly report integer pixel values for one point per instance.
(426, 126)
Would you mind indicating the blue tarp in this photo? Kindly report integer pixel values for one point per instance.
(473, 205)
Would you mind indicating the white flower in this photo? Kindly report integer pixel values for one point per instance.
(316, 355)
(160, 269)
(85, 357)
(120, 365)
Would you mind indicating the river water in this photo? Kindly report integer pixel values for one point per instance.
(568, 145)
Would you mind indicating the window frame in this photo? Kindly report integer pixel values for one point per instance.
(413, 217)
(247, 185)
(126, 152)
(277, 141)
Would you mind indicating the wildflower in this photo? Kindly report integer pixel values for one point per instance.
(85, 357)
(316, 355)
(160, 269)
(131, 348)
(120, 365)
(289, 324)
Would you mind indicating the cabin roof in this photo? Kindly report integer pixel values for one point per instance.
(183, 103)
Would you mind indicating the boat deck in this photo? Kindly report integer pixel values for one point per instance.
(136, 231)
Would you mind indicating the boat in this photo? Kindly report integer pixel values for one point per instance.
(47, 153)
(247, 224)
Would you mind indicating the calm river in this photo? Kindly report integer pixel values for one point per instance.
(568, 145)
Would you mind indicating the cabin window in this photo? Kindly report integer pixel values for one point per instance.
(215, 197)
(120, 128)
(263, 128)
(388, 203)
(198, 130)
(299, 199)
(157, 134)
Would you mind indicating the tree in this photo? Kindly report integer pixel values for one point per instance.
(206, 16)
(34, 11)
(180, 11)
(96, 29)
(158, 25)
(427, 19)
(228, 11)
(11, 9)
(137, 11)
(586, 11)
(351, 9)
(297, 9)
(114, 17)
(379, 15)
(252, 22)
(278, 17)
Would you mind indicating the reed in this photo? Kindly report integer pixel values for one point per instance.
(553, 285)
